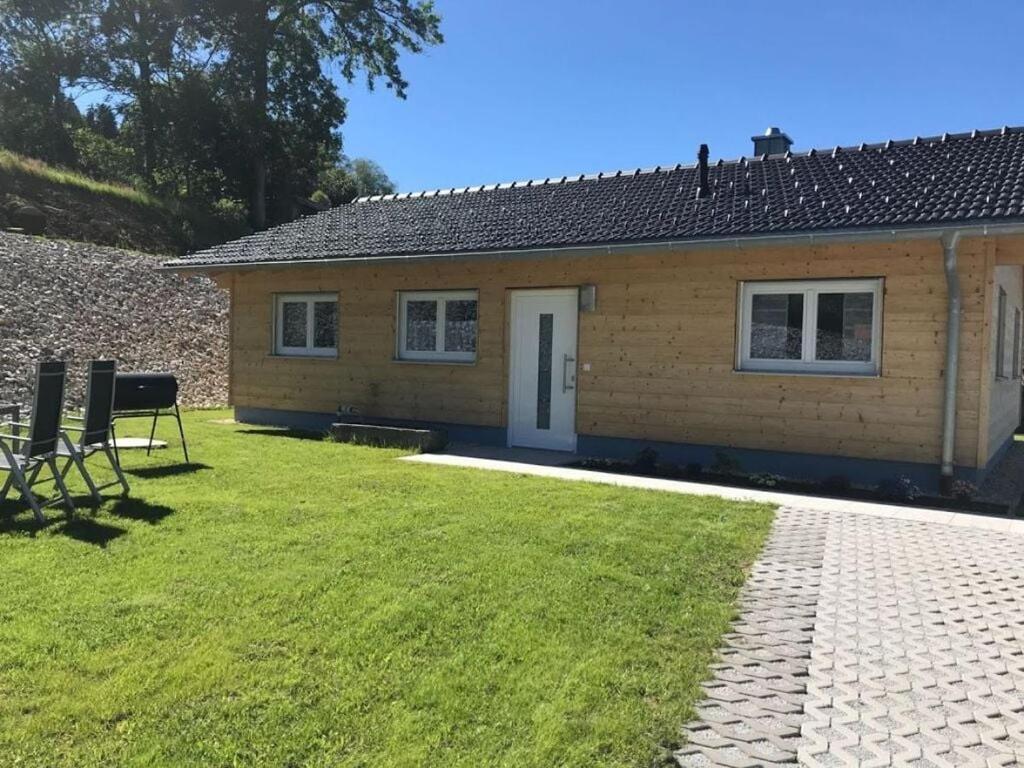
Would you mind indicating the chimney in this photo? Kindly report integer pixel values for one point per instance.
(703, 187)
(774, 142)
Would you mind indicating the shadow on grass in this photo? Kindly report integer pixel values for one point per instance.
(18, 519)
(16, 515)
(294, 434)
(137, 509)
(171, 470)
(90, 531)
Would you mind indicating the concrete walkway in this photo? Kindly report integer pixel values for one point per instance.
(870, 641)
(867, 635)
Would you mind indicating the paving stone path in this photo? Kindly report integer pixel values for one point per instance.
(871, 641)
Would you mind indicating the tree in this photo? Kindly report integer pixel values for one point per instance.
(347, 179)
(370, 178)
(33, 121)
(44, 45)
(102, 158)
(101, 119)
(304, 109)
(217, 102)
(199, 139)
(139, 43)
(270, 42)
(338, 184)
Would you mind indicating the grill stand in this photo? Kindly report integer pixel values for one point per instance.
(155, 413)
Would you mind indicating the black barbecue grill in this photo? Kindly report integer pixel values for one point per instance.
(149, 395)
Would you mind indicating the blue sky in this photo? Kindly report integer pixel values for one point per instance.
(532, 88)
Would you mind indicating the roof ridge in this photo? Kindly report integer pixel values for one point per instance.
(444, 191)
(721, 162)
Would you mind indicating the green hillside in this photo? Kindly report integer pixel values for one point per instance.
(41, 199)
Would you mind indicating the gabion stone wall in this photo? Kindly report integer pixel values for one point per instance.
(77, 301)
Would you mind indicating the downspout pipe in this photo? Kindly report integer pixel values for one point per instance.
(950, 241)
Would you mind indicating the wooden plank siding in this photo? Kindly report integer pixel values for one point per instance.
(661, 346)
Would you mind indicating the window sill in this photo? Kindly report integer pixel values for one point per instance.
(809, 374)
(406, 361)
(273, 356)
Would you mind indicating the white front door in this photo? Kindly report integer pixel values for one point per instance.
(542, 370)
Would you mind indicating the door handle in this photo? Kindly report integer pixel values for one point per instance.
(566, 377)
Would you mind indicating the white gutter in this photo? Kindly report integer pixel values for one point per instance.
(950, 240)
(824, 237)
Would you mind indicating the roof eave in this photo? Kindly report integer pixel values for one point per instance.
(988, 228)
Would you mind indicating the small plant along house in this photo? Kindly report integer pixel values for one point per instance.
(853, 311)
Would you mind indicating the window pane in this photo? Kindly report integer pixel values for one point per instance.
(325, 324)
(544, 365)
(844, 326)
(293, 324)
(460, 326)
(776, 327)
(421, 326)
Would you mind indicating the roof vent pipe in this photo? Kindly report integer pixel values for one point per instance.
(703, 187)
(950, 240)
(774, 142)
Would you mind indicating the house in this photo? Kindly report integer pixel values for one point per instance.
(848, 312)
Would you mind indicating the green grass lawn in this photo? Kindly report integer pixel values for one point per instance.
(298, 602)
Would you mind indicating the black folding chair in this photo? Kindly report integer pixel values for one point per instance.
(95, 430)
(39, 445)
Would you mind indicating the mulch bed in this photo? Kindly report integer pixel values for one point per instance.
(786, 485)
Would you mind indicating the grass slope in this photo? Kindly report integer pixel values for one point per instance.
(298, 602)
(84, 209)
(26, 166)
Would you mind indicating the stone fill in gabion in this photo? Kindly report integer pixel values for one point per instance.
(77, 301)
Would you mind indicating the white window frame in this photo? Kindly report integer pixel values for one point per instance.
(1001, 302)
(810, 290)
(1016, 343)
(438, 354)
(309, 350)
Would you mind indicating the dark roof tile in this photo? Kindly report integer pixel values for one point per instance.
(937, 180)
